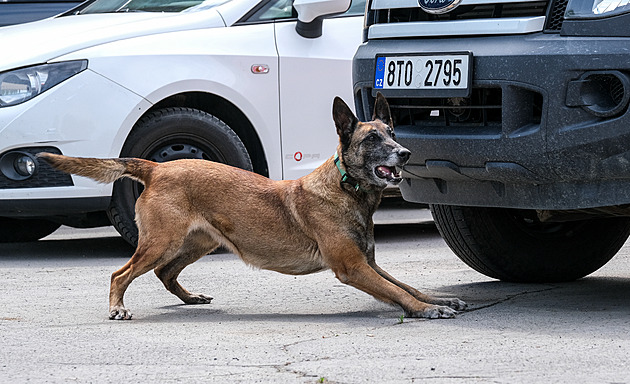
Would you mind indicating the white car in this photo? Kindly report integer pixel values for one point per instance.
(245, 82)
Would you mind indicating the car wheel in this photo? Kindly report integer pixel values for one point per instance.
(24, 230)
(513, 245)
(171, 134)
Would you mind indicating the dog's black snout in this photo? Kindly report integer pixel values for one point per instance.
(404, 154)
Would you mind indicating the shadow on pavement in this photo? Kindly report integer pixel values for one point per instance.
(115, 246)
(67, 249)
(590, 296)
(588, 302)
(393, 231)
(206, 313)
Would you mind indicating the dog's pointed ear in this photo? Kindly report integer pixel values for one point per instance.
(345, 121)
(381, 110)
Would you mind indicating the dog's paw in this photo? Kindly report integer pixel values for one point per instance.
(198, 299)
(454, 303)
(434, 312)
(119, 313)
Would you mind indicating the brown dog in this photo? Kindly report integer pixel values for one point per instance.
(320, 221)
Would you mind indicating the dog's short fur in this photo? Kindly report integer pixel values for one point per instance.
(318, 222)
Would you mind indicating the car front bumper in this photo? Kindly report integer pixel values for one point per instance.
(538, 131)
(86, 116)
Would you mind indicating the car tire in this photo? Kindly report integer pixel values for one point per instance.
(25, 230)
(171, 134)
(512, 245)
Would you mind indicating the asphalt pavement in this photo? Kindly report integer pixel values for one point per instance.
(264, 327)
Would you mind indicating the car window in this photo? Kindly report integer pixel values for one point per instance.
(274, 10)
(37, 1)
(356, 8)
(113, 6)
(283, 9)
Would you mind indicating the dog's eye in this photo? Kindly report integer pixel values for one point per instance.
(373, 137)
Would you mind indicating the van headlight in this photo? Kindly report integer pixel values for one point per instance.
(589, 9)
(20, 85)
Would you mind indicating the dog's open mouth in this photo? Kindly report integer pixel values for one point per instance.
(388, 173)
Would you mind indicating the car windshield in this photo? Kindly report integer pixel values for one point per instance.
(110, 6)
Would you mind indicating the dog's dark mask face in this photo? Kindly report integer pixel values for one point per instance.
(369, 150)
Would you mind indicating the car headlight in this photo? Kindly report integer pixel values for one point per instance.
(23, 84)
(583, 9)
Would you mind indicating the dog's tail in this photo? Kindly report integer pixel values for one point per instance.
(102, 170)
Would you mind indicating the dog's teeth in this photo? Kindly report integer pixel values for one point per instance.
(384, 172)
(388, 173)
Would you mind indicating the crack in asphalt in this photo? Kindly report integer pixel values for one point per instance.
(508, 298)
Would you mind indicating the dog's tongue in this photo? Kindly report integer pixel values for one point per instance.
(388, 173)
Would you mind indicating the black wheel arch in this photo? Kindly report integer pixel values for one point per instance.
(229, 114)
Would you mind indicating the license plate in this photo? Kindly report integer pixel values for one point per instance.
(427, 74)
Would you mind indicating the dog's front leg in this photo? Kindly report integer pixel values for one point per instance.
(350, 266)
(454, 303)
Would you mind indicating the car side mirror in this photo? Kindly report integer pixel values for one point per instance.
(311, 14)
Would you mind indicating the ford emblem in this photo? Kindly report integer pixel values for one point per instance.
(438, 6)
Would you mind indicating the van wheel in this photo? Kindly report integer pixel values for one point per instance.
(171, 134)
(25, 230)
(512, 245)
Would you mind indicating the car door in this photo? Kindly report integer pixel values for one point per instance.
(312, 72)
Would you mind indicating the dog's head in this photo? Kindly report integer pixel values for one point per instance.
(369, 151)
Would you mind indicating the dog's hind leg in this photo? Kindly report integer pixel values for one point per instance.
(454, 303)
(143, 260)
(191, 251)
